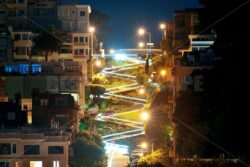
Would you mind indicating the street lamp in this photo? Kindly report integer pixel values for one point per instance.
(163, 28)
(141, 91)
(144, 145)
(92, 31)
(98, 63)
(163, 73)
(144, 116)
(142, 31)
(141, 44)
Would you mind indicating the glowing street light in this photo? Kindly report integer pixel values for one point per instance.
(144, 116)
(144, 145)
(141, 44)
(141, 91)
(163, 72)
(163, 28)
(98, 63)
(141, 31)
(92, 31)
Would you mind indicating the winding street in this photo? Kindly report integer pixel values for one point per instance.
(115, 151)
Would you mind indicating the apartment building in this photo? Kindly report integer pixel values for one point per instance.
(13, 17)
(32, 149)
(22, 45)
(53, 77)
(43, 13)
(56, 111)
(186, 22)
(14, 13)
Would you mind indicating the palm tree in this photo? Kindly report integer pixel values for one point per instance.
(48, 41)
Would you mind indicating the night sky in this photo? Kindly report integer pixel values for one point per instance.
(127, 15)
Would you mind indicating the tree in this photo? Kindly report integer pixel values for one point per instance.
(159, 126)
(48, 41)
(155, 159)
(99, 79)
(88, 150)
(227, 84)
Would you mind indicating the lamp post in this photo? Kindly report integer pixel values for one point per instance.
(141, 32)
(144, 116)
(144, 145)
(163, 73)
(92, 31)
(163, 28)
(141, 44)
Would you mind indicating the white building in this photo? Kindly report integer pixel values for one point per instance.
(74, 18)
(19, 149)
(22, 45)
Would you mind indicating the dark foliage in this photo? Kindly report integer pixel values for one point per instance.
(220, 112)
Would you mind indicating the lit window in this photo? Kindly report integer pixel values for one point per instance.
(29, 115)
(18, 164)
(36, 68)
(36, 164)
(55, 163)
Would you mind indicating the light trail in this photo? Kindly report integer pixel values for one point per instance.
(124, 137)
(122, 133)
(123, 113)
(123, 86)
(134, 102)
(126, 97)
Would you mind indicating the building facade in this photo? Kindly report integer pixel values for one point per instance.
(53, 77)
(186, 22)
(20, 149)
